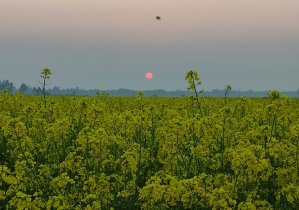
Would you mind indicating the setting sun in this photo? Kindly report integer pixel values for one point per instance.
(149, 75)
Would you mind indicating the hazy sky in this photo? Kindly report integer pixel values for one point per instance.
(112, 44)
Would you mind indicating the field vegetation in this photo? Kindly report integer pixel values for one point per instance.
(149, 153)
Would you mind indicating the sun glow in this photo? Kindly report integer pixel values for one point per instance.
(149, 75)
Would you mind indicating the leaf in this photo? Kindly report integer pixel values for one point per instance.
(56, 204)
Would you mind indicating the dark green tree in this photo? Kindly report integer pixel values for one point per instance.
(5, 84)
(23, 88)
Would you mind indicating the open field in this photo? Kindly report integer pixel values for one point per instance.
(148, 153)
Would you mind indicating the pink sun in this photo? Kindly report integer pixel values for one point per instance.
(149, 75)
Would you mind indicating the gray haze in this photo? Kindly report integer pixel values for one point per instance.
(95, 44)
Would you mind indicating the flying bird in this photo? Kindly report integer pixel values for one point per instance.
(158, 18)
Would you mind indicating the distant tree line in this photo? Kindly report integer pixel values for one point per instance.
(55, 91)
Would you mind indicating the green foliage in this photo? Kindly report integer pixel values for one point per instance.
(193, 80)
(228, 87)
(273, 95)
(5, 84)
(149, 153)
(109, 152)
(140, 94)
(23, 88)
(45, 74)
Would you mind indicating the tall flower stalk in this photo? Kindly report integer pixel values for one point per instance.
(193, 81)
(45, 74)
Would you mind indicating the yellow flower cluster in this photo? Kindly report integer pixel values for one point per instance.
(149, 153)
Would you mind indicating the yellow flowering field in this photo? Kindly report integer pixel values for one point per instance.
(149, 153)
